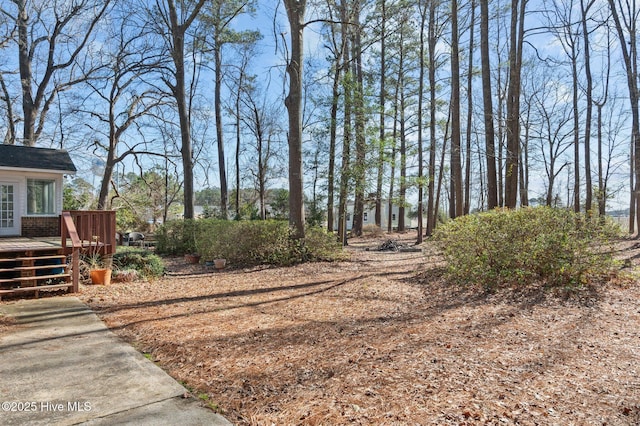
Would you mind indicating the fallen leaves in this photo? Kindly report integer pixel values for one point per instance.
(6, 323)
(381, 339)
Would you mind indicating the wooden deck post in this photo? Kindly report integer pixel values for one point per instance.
(68, 230)
(75, 270)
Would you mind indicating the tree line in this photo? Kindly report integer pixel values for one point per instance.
(461, 106)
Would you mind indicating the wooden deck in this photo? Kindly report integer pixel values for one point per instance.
(34, 264)
(21, 244)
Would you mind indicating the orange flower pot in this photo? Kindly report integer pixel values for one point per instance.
(100, 276)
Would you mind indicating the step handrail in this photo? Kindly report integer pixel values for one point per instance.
(68, 231)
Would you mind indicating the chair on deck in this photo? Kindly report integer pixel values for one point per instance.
(135, 239)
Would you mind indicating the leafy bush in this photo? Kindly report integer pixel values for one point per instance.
(322, 246)
(263, 242)
(128, 219)
(518, 247)
(246, 242)
(176, 237)
(145, 262)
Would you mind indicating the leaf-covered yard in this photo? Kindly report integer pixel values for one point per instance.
(380, 339)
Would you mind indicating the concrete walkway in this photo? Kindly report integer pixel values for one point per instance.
(60, 365)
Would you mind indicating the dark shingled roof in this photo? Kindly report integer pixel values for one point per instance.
(27, 157)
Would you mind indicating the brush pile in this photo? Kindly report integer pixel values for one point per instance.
(390, 245)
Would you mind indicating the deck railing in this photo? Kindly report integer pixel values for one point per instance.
(96, 230)
(87, 231)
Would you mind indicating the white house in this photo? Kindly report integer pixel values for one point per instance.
(369, 217)
(31, 182)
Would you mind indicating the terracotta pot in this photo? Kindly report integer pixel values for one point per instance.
(100, 276)
(192, 258)
(219, 263)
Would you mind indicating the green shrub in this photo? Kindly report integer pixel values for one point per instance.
(519, 247)
(322, 246)
(246, 242)
(264, 242)
(176, 237)
(145, 262)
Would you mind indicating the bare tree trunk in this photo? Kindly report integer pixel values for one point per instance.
(524, 170)
(456, 200)
(423, 18)
(293, 102)
(602, 182)
(432, 40)
(467, 180)
(238, 145)
(630, 56)
(513, 102)
(335, 96)
(338, 49)
(392, 179)
(492, 183)
(186, 149)
(394, 138)
(26, 76)
(10, 137)
(345, 173)
(589, 110)
(403, 157)
(224, 187)
(442, 158)
(481, 173)
(360, 166)
(500, 145)
(403, 136)
(382, 97)
(262, 159)
(177, 34)
(576, 130)
(602, 190)
(524, 160)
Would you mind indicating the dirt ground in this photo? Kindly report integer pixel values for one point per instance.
(380, 339)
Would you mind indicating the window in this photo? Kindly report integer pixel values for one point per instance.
(365, 216)
(6, 206)
(41, 196)
(393, 217)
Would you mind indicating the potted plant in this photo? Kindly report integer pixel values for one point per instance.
(192, 258)
(100, 276)
(99, 267)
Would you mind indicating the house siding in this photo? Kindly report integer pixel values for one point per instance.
(369, 217)
(32, 225)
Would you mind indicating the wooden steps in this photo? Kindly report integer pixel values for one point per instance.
(34, 271)
(36, 289)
